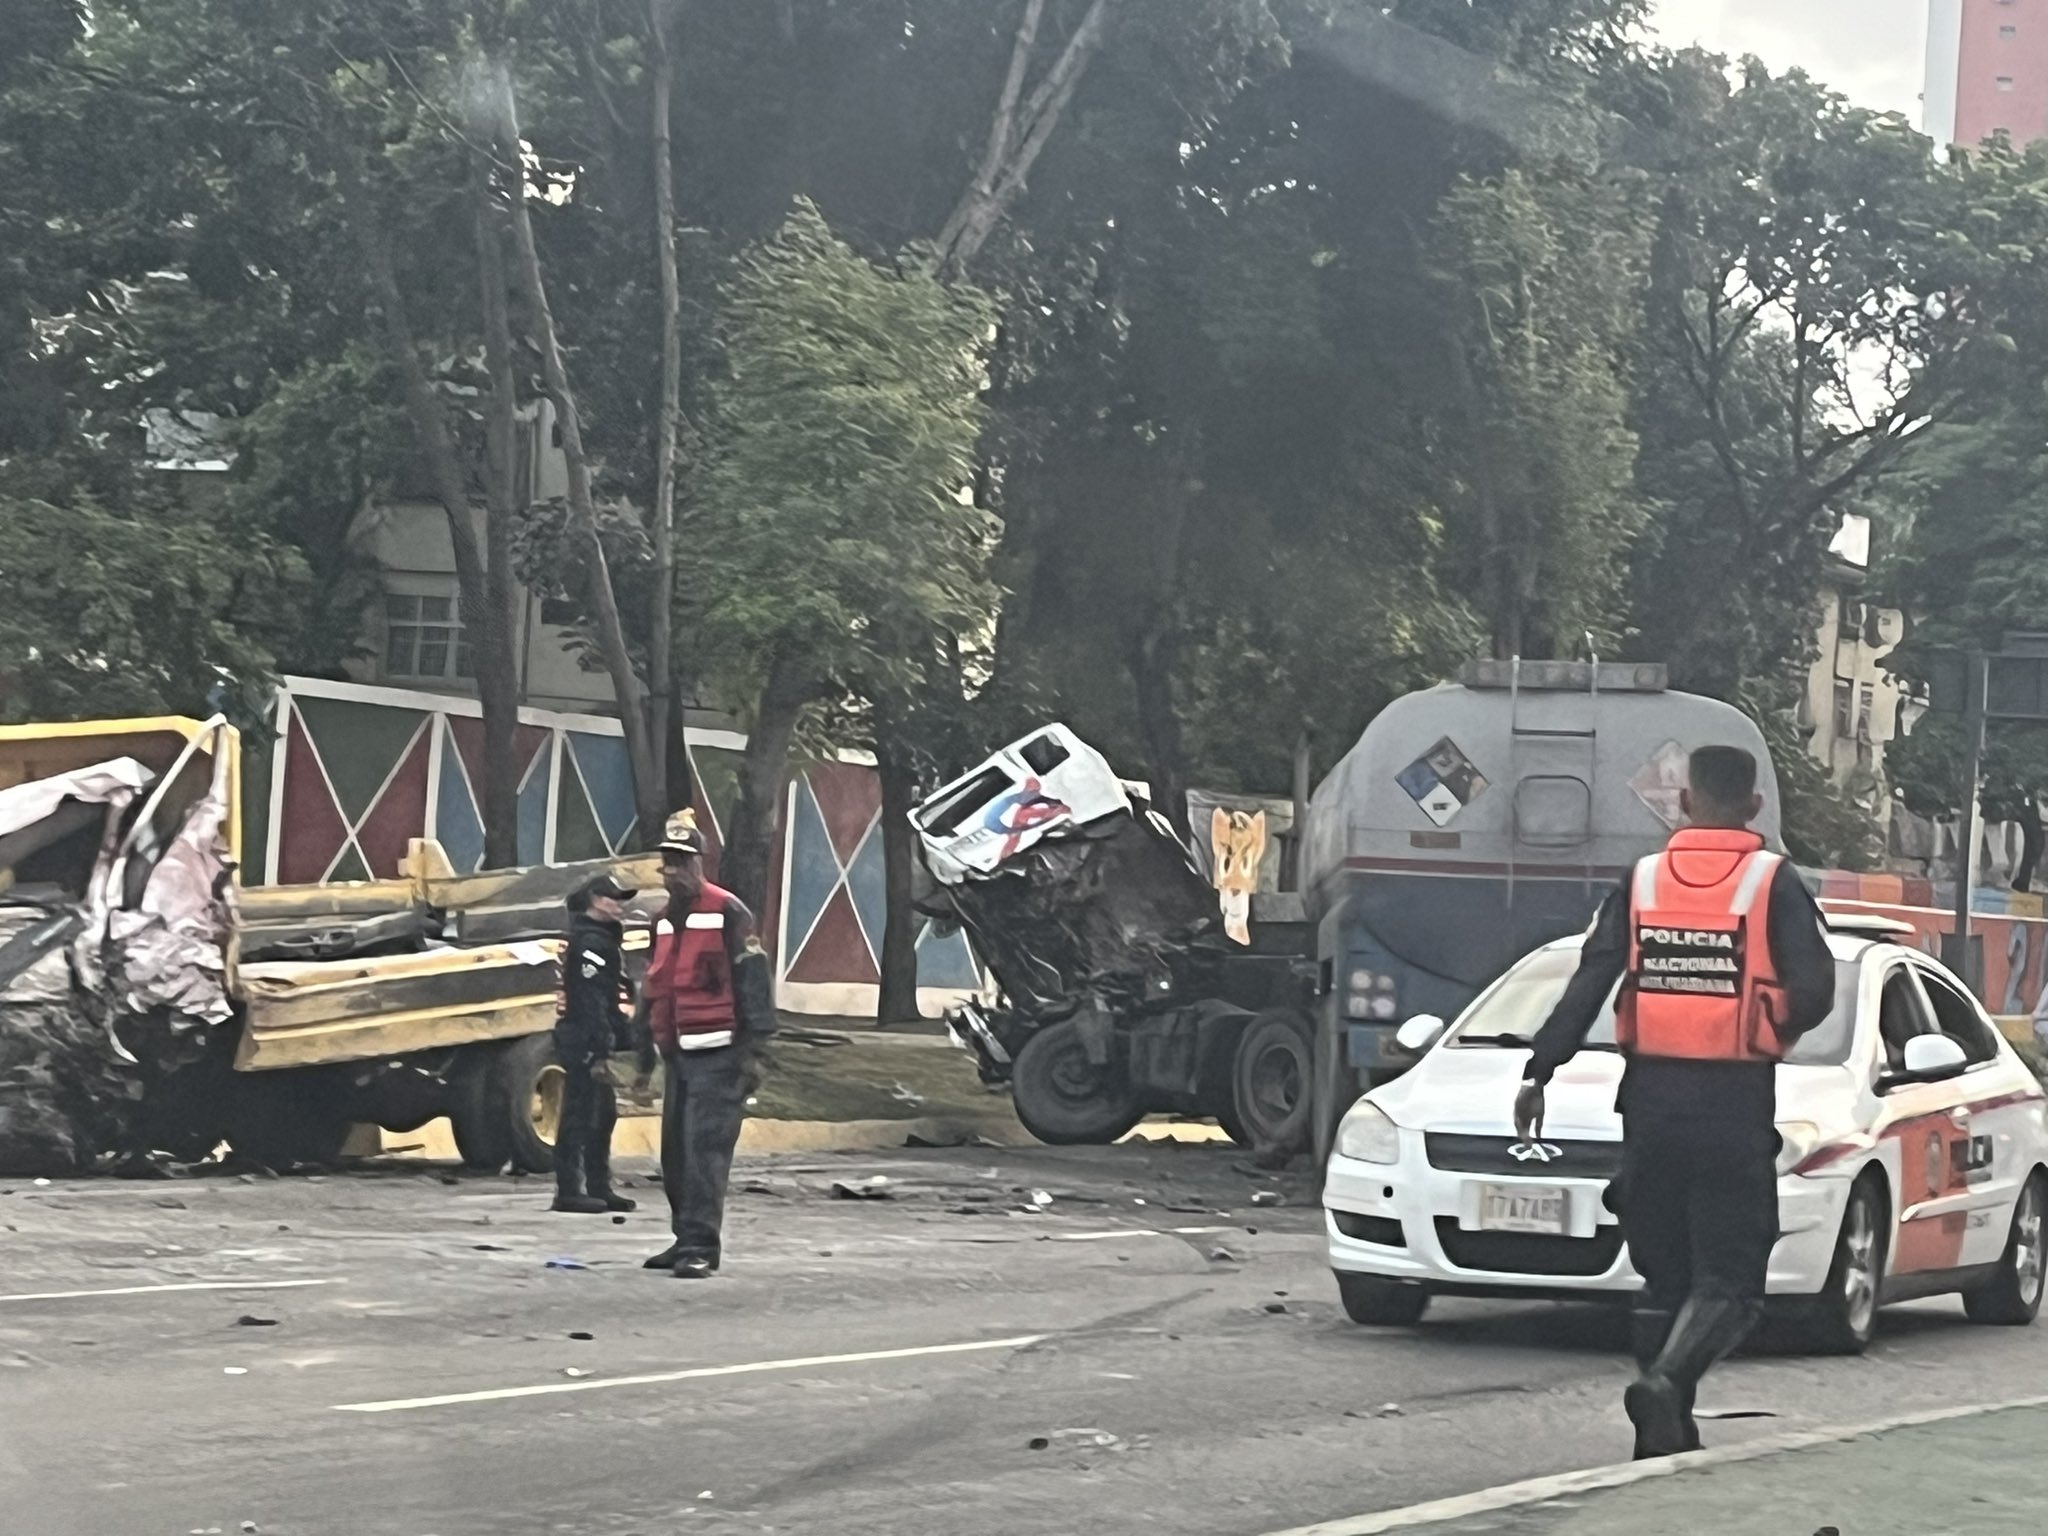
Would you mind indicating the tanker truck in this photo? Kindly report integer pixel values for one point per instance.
(1470, 823)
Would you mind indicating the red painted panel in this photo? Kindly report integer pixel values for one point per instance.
(850, 797)
(310, 828)
(469, 741)
(837, 951)
(399, 815)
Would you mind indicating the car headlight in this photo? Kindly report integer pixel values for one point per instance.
(1797, 1140)
(1368, 1135)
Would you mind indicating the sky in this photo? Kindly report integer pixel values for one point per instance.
(1870, 50)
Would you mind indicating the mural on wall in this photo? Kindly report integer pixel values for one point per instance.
(833, 901)
(358, 771)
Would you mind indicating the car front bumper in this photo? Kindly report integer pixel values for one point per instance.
(1409, 1221)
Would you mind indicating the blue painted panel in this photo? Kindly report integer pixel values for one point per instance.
(867, 880)
(456, 822)
(813, 869)
(608, 775)
(944, 960)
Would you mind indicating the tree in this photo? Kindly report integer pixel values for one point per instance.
(832, 508)
(1541, 274)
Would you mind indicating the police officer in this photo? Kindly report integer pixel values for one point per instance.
(709, 1005)
(1722, 962)
(588, 1024)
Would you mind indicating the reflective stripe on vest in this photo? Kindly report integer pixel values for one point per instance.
(1702, 984)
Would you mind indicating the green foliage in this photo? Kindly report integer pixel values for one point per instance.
(830, 518)
(1540, 273)
(138, 607)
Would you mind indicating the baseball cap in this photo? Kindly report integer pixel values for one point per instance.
(680, 835)
(603, 885)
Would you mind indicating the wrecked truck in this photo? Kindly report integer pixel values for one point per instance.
(1121, 992)
(152, 1007)
(1470, 823)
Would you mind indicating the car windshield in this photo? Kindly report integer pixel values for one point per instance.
(1510, 1014)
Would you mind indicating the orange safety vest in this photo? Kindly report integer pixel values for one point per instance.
(1702, 984)
(689, 977)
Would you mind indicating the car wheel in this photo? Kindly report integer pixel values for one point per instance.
(1273, 1080)
(1843, 1318)
(1063, 1098)
(2014, 1297)
(1381, 1303)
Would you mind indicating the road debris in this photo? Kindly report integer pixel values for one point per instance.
(1268, 1197)
(582, 1335)
(248, 1321)
(489, 1248)
(1040, 1197)
(574, 1372)
(565, 1263)
(1222, 1256)
(880, 1187)
(1276, 1306)
(234, 1370)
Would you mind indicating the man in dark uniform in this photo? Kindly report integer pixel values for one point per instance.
(709, 1006)
(589, 1024)
(1712, 991)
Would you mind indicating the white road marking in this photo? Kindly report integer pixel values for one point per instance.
(807, 1362)
(187, 1285)
(1541, 1490)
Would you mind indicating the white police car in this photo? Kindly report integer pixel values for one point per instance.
(1914, 1161)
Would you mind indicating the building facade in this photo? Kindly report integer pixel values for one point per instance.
(1987, 70)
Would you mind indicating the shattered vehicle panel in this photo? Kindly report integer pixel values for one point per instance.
(1046, 786)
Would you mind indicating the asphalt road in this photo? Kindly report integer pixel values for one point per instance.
(927, 1365)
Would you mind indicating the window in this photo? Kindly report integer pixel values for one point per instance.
(423, 638)
(2005, 82)
(1956, 1015)
(1845, 708)
(1900, 1016)
(2008, 33)
(1866, 702)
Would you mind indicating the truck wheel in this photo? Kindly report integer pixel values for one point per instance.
(1273, 1082)
(1063, 1098)
(483, 1131)
(1381, 1303)
(527, 1093)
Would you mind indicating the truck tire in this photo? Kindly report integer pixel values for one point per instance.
(1273, 1083)
(526, 1095)
(483, 1132)
(1066, 1100)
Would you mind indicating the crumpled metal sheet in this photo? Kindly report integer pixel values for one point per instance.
(172, 944)
(63, 1098)
(114, 782)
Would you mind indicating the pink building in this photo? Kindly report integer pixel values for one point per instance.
(1987, 70)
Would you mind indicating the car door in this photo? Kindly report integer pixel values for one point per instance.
(1925, 1121)
(1998, 1105)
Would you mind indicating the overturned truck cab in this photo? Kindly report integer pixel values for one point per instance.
(1121, 993)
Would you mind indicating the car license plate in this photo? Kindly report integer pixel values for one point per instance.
(1541, 1208)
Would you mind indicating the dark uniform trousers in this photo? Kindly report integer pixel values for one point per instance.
(583, 1143)
(703, 1102)
(1698, 1202)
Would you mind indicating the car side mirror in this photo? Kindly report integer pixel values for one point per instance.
(1419, 1034)
(1929, 1059)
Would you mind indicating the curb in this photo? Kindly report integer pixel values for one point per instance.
(1542, 1490)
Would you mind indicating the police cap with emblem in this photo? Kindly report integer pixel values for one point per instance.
(681, 834)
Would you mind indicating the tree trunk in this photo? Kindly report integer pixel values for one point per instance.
(491, 647)
(1017, 135)
(2030, 844)
(893, 765)
(611, 631)
(493, 642)
(660, 638)
(1151, 655)
(764, 768)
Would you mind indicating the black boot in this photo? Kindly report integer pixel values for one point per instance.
(666, 1259)
(1660, 1401)
(569, 1195)
(598, 1160)
(1648, 1328)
